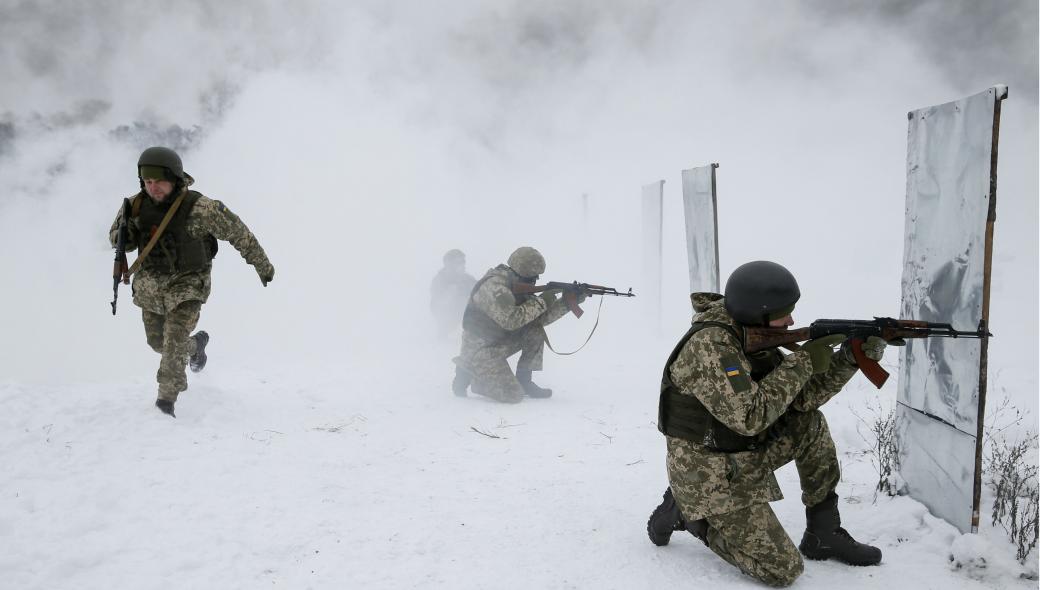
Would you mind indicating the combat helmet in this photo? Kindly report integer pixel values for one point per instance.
(162, 157)
(526, 262)
(760, 291)
(454, 255)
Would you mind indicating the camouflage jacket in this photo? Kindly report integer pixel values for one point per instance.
(159, 291)
(494, 299)
(707, 482)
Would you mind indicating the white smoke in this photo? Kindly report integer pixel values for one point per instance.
(361, 141)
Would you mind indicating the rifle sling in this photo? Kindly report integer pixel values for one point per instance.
(594, 326)
(158, 234)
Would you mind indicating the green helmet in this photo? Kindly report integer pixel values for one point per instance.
(760, 291)
(161, 157)
(526, 262)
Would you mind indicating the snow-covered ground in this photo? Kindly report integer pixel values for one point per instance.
(368, 475)
(322, 448)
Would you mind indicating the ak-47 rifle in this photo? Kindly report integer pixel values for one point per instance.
(889, 329)
(571, 292)
(120, 267)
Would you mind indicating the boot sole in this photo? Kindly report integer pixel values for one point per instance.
(198, 363)
(659, 540)
(818, 555)
(657, 537)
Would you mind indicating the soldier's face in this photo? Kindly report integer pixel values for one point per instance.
(159, 190)
(783, 322)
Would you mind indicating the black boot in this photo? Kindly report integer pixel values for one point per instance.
(825, 539)
(532, 390)
(460, 384)
(197, 362)
(166, 406)
(666, 519)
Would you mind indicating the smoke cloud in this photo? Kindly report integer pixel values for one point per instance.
(360, 142)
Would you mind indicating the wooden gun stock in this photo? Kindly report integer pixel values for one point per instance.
(571, 299)
(870, 367)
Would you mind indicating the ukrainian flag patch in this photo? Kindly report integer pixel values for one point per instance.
(734, 371)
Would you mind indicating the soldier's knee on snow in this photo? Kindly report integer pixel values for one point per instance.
(783, 577)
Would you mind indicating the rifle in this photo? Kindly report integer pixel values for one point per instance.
(889, 329)
(571, 292)
(120, 267)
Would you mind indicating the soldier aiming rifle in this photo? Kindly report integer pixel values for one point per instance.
(507, 313)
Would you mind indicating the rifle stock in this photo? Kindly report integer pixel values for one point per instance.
(120, 268)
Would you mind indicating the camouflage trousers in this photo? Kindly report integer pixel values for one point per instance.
(170, 335)
(752, 538)
(488, 362)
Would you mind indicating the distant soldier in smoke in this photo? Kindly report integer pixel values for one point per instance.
(731, 419)
(498, 323)
(175, 231)
(449, 291)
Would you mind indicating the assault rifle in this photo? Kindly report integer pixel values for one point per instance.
(120, 267)
(889, 329)
(571, 292)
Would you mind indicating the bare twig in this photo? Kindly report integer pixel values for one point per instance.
(633, 463)
(339, 427)
(474, 429)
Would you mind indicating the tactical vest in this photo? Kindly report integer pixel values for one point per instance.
(176, 251)
(685, 417)
(475, 321)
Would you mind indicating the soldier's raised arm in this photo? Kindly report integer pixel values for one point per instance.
(557, 307)
(712, 368)
(498, 302)
(823, 386)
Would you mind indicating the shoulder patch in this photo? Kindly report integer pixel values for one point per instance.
(221, 206)
(734, 372)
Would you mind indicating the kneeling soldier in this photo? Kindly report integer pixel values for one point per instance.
(732, 418)
(498, 323)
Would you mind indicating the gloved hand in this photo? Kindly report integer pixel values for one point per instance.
(873, 349)
(549, 297)
(820, 351)
(582, 296)
(266, 273)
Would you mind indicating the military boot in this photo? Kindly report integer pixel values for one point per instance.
(460, 384)
(664, 520)
(532, 390)
(825, 539)
(197, 362)
(166, 406)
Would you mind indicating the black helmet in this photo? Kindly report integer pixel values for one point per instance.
(162, 157)
(758, 290)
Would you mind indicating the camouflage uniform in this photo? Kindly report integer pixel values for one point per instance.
(520, 321)
(731, 490)
(449, 292)
(171, 300)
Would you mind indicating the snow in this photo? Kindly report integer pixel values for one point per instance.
(321, 447)
(335, 476)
